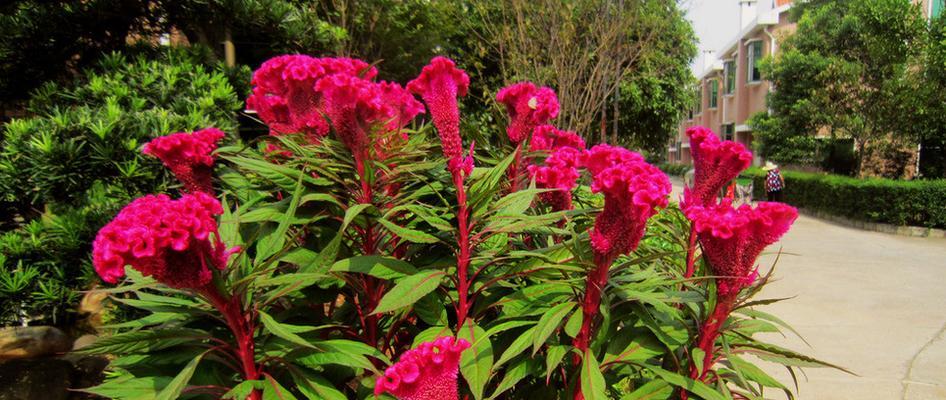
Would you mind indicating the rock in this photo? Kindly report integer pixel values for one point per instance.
(92, 308)
(83, 341)
(46, 379)
(32, 342)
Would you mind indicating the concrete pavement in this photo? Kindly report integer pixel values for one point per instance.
(871, 302)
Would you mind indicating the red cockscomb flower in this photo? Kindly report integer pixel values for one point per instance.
(401, 106)
(164, 238)
(189, 156)
(439, 84)
(353, 105)
(548, 137)
(715, 163)
(559, 172)
(633, 190)
(733, 238)
(428, 372)
(527, 107)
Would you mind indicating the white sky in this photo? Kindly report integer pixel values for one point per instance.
(715, 23)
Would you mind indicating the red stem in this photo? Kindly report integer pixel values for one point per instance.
(463, 255)
(691, 253)
(708, 334)
(594, 286)
(513, 173)
(242, 327)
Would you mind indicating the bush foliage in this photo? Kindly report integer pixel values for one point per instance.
(897, 202)
(68, 169)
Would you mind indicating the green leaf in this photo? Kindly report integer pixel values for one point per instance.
(340, 352)
(408, 290)
(653, 390)
(143, 341)
(593, 386)
(173, 390)
(242, 390)
(549, 323)
(695, 387)
(516, 347)
(376, 266)
(315, 387)
(632, 345)
(754, 373)
(272, 390)
(477, 361)
(353, 212)
(272, 243)
(553, 358)
(573, 325)
(282, 331)
(325, 258)
(431, 310)
(411, 235)
(128, 387)
(513, 375)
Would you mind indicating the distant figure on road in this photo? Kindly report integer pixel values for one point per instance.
(774, 182)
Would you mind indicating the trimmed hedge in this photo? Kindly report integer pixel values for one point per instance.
(674, 169)
(903, 203)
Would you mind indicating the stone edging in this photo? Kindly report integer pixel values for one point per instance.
(914, 231)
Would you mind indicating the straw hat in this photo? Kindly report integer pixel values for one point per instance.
(769, 166)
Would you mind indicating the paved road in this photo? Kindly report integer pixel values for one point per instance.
(874, 303)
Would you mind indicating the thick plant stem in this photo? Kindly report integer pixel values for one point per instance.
(594, 286)
(708, 334)
(513, 172)
(463, 255)
(242, 327)
(691, 254)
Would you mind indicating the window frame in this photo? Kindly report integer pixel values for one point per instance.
(698, 109)
(752, 60)
(729, 77)
(729, 131)
(714, 94)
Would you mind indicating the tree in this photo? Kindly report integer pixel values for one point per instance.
(586, 49)
(844, 72)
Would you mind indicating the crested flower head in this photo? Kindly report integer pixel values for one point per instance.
(284, 95)
(168, 239)
(715, 163)
(189, 156)
(527, 107)
(428, 372)
(548, 137)
(439, 84)
(352, 104)
(733, 238)
(401, 106)
(559, 172)
(633, 190)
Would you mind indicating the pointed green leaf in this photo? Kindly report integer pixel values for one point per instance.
(408, 290)
(410, 235)
(376, 266)
(593, 386)
(477, 361)
(174, 388)
(549, 323)
(282, 331)
(516, 347)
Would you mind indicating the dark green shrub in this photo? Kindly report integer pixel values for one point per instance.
(674, 169)
(65, 171)
(914, 203)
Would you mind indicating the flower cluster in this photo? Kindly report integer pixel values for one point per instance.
(715, 163)
(189, 156)
(633, 189)
(165, 238)
(548, 137)
(295, 93)
(527, 107)
(439, 84)
(734, 237)
(428, 372)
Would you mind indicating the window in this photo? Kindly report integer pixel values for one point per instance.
(729, 73)
(728, 131)
(753, 55)
(936, 9)
(714, 93)
(699, 100)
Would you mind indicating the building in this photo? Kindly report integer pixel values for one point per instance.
(730, 88)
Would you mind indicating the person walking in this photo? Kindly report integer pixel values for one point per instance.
(774, 182)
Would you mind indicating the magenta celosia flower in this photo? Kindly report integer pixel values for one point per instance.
(715, 163)
(428, 372)
(353, 105)
(733, 238)
(284, 95)
(548, 137)
(439, 84)
(401, 106)
(559, 172)
(168, 239)
(189, 156)
(633, 190)
(527, 107)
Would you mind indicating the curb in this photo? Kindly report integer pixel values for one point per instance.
(912, 231)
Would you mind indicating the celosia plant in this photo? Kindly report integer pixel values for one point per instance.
(428, 372)
(361, 244)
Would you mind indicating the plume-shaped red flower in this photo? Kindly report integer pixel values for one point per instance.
(168, 239)
(189, 156)
(715, 163)
(439, 84)
(633, 190)
(527, 107)
(733, 238)
(428, 372)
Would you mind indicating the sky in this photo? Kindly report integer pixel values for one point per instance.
(715, 23)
